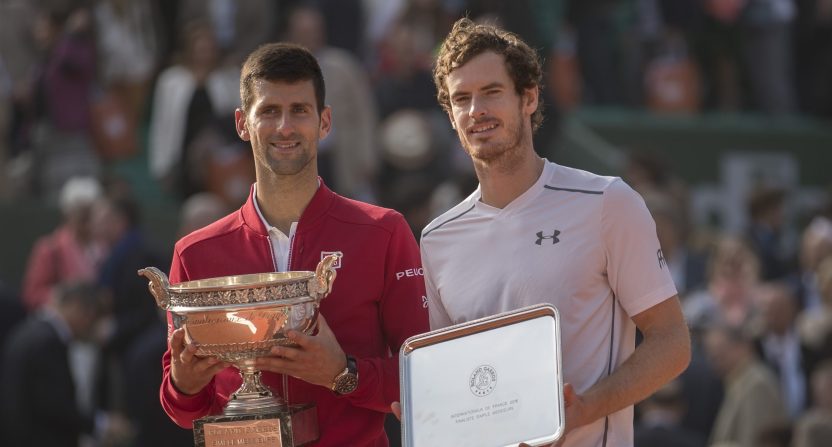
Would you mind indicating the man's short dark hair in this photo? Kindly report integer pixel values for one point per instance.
(468, 40)
(281, 62)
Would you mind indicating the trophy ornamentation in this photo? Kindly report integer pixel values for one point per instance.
(237, 319)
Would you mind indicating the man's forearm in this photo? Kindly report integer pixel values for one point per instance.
(663, 354)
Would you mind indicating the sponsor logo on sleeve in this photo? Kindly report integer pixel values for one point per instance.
(662, 260)
(410, 273)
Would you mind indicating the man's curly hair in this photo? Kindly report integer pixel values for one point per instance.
(468, 40)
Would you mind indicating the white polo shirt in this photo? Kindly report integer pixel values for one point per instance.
(582, 242)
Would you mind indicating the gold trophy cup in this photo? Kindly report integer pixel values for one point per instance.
(237, 319)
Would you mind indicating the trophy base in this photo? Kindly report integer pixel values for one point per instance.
(294, 428)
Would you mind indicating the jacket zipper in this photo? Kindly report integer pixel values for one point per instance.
(291, 250)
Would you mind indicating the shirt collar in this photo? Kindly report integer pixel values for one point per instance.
(317, 207)
(263, 220)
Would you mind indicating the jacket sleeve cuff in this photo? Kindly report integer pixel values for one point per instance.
(185, 402)
(370, 392)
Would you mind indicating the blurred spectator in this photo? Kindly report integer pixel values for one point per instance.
(659, 420)
(813, 56)
(671, 78)
(343, 21)
(815, 325)
(765, 231)
(20, 54)
(189, 97)
(702, 390)
(62, 99)
(143, 374)
(18, 48)
(39, 393)
(814, 429)
(415, 157)
(775, 435)
(767, 53)
(221, 164)
(347, 157)
(778, 343)
(128, 49)
(238, 26)
(68, 253)
(404, 73)
(12, 312)
(717, 44)
(414, 136)
(344, 24)
(815, 246)
(129, 54)
(605, 50)
(746, 47)
(752, 399)
(430, 21)
(686, 265)
(116, 222)
(200, 210)
(733, 274)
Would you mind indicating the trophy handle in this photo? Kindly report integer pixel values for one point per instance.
(158, 285)
(325, 276)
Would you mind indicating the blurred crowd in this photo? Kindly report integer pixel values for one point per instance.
(760, 321)
(88, 84)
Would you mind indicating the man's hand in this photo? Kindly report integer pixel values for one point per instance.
(396, 408)
(573, 405)
(188, 372)
(662, 355)
(316, 359)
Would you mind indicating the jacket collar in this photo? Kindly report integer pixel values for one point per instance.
(316, 208)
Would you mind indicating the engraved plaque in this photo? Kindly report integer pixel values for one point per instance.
(490, 382)
(264, 432)
(296, 427)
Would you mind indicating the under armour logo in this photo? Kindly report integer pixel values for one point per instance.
(662, 260)
(553, 237)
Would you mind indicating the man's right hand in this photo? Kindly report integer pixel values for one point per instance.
(188, 372)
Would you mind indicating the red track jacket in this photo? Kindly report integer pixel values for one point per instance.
(377, 301)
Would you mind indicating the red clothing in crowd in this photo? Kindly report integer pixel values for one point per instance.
(376, 303)
(56, 258)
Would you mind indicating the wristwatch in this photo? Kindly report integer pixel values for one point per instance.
(347, 380)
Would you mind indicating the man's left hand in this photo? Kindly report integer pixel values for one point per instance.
(316, 359)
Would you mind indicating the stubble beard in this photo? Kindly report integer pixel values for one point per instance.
(501, 156)
(280, 167)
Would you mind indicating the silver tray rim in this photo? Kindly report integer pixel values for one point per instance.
(479, 325)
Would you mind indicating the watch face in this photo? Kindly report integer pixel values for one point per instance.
(346, 383)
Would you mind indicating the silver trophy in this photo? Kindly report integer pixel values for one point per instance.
(237, 319)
